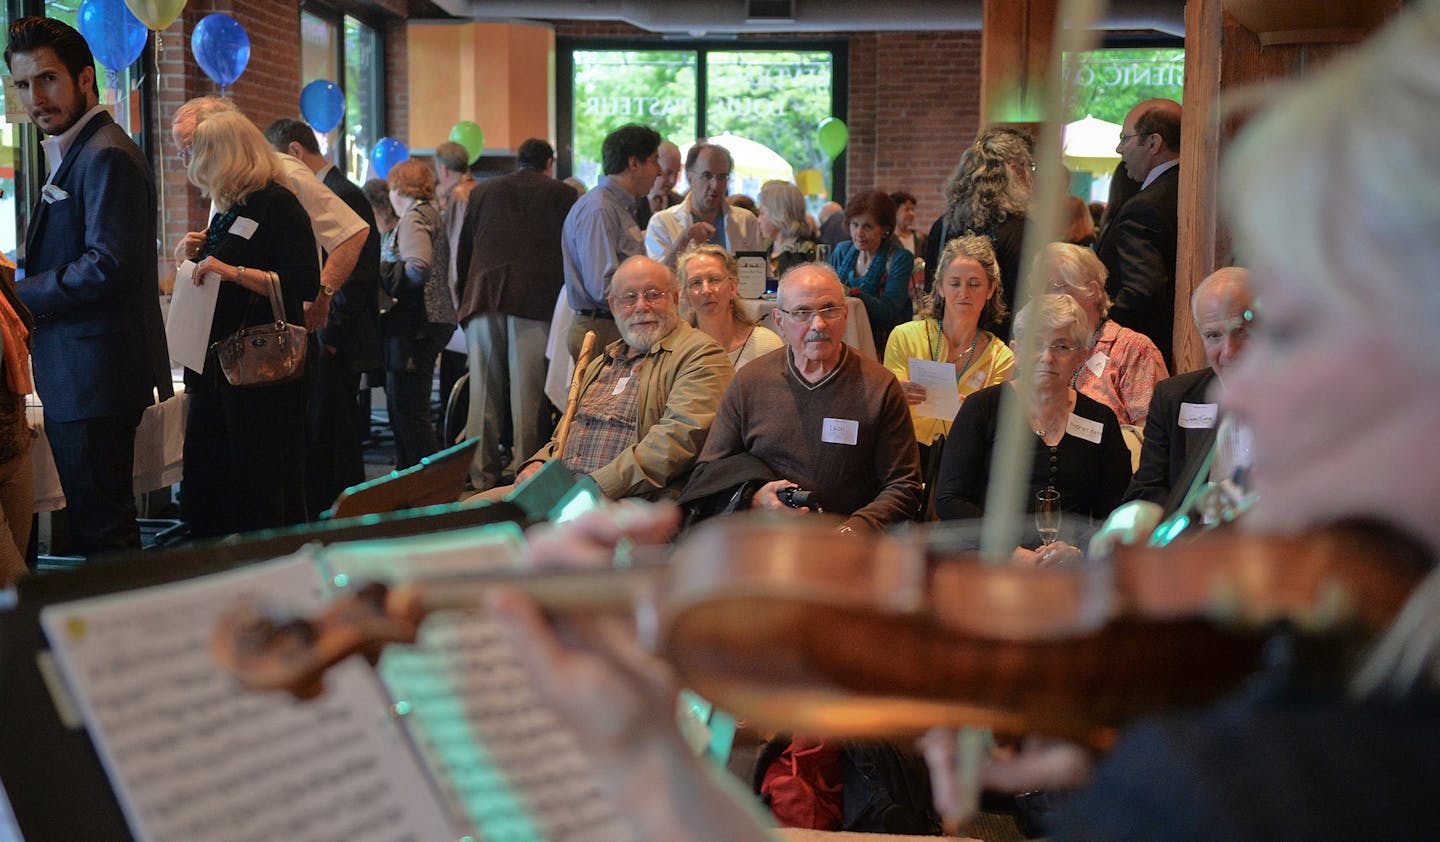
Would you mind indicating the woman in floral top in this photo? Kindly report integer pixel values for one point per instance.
(1121, 366)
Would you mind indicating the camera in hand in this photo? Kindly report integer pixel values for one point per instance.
(797, 498)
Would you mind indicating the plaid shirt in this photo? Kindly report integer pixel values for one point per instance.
(604, 423)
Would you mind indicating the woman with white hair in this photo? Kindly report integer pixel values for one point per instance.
(244, 445)
(1121, 366)
(1081, 454)
(710, 280)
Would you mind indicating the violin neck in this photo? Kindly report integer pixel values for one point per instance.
(560, 592)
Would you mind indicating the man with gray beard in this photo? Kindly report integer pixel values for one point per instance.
(647, 400)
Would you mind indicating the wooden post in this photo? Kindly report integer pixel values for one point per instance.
(1222, 55)
(1015, 41)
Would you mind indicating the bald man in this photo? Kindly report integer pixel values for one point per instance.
(821, 415)
(662, 193)
(1138, 246)
(1181, 426)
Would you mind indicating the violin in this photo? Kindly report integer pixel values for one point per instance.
(790, 624)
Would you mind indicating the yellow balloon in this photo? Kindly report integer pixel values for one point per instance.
(156, 14)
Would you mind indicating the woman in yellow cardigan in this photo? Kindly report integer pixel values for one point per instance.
(968, 294)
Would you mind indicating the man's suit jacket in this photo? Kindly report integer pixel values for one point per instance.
(508, 259)
(91, 281)
(1171, 454)
(354, 323)
(1138, 250)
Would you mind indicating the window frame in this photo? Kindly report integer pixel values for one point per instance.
(565, 48)
(335, 15)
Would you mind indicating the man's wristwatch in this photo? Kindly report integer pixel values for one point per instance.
(327, 290)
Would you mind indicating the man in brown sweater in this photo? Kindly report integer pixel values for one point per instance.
(821, 415)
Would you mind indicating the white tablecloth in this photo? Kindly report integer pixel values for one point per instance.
(159, 450)
(857, 328)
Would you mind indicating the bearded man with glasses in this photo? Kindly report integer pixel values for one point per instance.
(822, 416)
(648, 399)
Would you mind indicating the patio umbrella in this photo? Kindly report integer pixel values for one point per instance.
(1089, 146)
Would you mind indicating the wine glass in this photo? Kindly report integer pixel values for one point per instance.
(1047, 514)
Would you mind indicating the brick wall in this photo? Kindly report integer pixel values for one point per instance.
(913, 99)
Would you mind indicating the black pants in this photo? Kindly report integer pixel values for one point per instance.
(333, 457)
(411, 348)
(244, 455)
(95, 458)
(453, 365)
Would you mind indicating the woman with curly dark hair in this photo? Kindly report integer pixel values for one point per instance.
(988, 194)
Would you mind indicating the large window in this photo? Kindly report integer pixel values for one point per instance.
(347, 51)
(764, 102)
(1107, 83)
(615, 87)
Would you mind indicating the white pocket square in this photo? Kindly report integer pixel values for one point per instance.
(52, 194)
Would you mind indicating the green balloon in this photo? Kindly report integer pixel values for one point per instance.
(832, 137)
(470, 136)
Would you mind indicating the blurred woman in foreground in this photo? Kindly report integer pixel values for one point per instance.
(1281, 759)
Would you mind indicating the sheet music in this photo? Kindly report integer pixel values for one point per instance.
(511, 768)
(191, 756)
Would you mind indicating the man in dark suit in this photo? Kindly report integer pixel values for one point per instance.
(508, 274)
(91, 280)
(1180, 429)
(1138, 246)
(348, 345)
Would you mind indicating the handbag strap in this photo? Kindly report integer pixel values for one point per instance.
(277, 304)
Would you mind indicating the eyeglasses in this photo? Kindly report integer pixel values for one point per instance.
(806, 315)
(698, 283)
(1125, 137)
(1058, 348)
(630, 299)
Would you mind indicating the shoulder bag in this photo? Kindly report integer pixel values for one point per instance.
(264, 355)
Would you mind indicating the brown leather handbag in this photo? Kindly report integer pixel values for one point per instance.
(264, 355)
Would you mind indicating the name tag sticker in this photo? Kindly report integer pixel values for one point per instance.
(620, 385)
(1198, 416)
(1084, 428)
(840, 431)
(977, 380)
(243, 227)
(1096, 363)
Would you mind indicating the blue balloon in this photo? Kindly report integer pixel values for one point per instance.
(221, 48)
(322, 103)
(387, 153)
(114, 34)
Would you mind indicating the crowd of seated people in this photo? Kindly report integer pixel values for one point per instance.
(1292, 755)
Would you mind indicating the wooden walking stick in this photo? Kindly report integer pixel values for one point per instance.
(572, 401)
